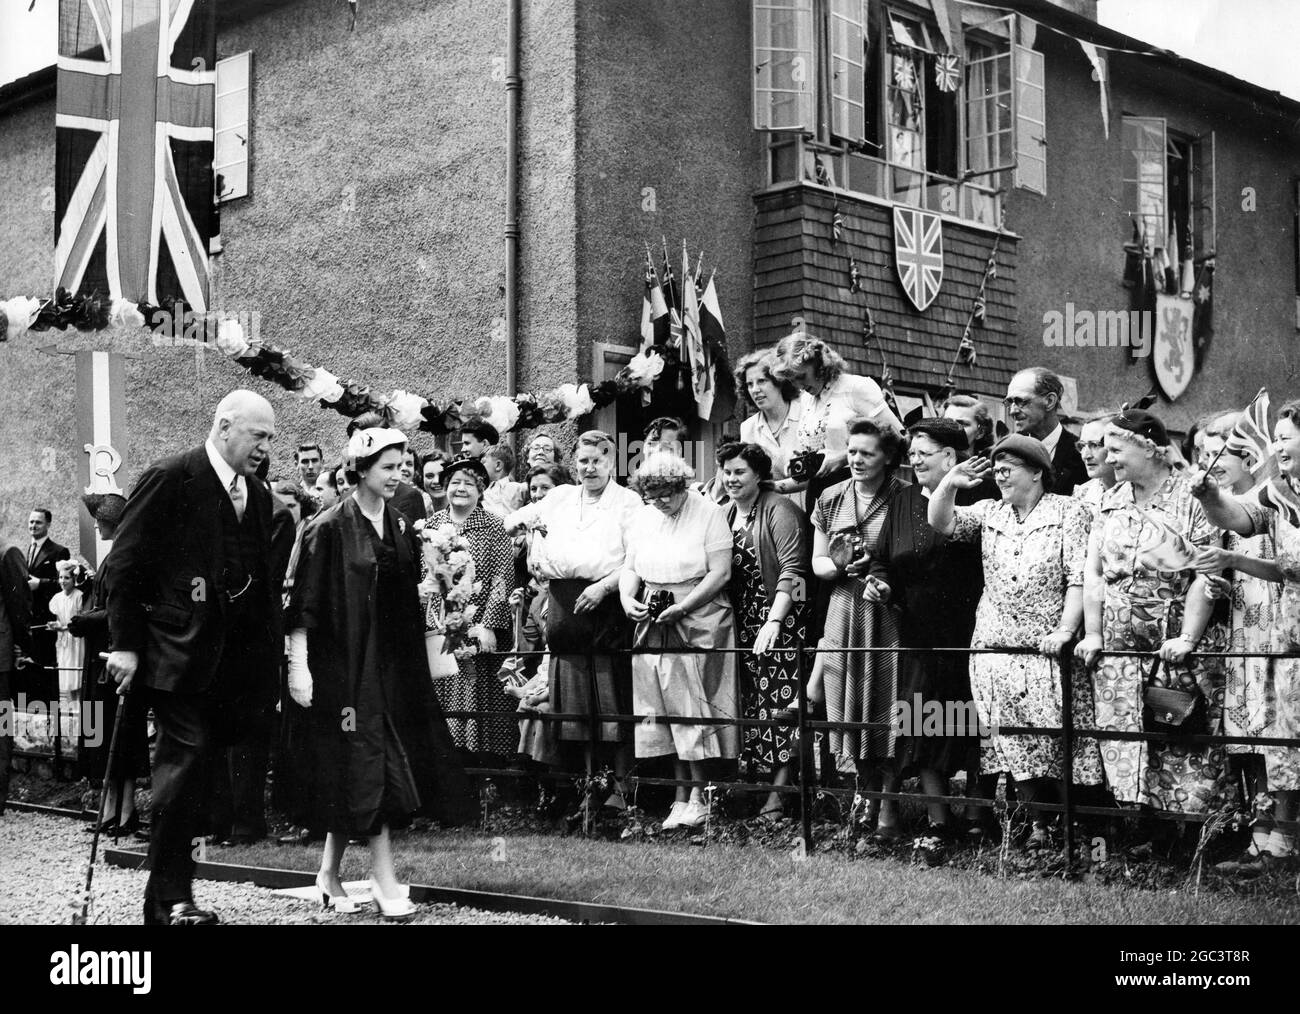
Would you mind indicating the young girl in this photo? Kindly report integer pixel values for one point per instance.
(69, 650)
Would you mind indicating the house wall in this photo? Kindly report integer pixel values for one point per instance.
(372, 243)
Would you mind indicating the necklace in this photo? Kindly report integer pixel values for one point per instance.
(583, 502)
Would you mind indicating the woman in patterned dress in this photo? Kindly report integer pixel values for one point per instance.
(476, 687)
(859, 686)
(1101, 473)
(1032, 544)
(1255, 516)
(769, 579)
(1133, 605)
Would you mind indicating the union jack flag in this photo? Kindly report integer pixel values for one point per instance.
(134, 145)
(1249, 437)
(946, 72)
(918, 253)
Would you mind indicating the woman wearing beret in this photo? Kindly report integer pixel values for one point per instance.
(1136, 602)
(1032, 545)
(769, 589)
(357, 662)
(476, 687)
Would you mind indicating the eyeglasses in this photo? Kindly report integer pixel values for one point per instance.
(1002, 471)
(1018, 402)
(657, 497)
(915, 454)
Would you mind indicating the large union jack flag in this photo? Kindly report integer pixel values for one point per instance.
(918, 253)
(134, 144)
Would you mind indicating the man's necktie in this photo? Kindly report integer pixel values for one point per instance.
(237, 498)
(31, 557)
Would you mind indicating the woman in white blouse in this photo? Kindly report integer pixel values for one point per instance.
(680, 544)
(578, 546)
(779, 409)
(838, 398)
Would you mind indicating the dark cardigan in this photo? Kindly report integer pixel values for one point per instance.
(780, 535)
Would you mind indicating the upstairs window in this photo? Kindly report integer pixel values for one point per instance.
(1168, 185)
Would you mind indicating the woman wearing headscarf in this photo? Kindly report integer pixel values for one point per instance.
(934, 584)
(674, 587)
(99, 696)
(357, 661)
(475, 687)
(769, 581)
(1032, 547)
(1142, 597)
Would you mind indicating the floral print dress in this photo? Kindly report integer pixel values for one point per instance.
(1029, 566)
(1142, 608)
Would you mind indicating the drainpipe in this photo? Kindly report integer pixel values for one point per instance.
(514, 83)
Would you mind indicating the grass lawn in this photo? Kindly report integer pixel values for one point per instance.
(770, 886)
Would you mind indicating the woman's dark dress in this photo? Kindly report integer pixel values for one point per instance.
(936, 586)
(100, 700)
(383, 751)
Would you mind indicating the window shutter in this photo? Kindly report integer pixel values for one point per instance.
(1145, 145)
(1203, 196)
(1031, 128)
(848, 69)
(784, 78)
(232, 120)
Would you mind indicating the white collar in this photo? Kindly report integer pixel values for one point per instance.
(225, 474)
(38, 543)
(1052, 439)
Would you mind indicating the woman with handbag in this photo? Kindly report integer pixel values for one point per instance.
(1032, 547)
(674, 587)
(1143, 595)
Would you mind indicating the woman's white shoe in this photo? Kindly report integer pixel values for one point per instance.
(397, 909)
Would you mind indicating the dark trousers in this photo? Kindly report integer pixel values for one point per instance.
(238, 779)
(192, 730)
(6, 735)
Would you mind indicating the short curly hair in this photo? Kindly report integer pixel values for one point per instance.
(661, 470)
(797, 350)
(764, 359)
(753, 455)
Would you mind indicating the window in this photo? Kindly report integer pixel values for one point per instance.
(880, 105)
(1168, 185)
(230, 159)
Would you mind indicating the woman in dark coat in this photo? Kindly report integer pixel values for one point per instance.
(99, 697)
(936, 584)
(769, 582)
(357, 659)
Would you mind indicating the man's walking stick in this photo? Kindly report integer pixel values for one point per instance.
(82, 918)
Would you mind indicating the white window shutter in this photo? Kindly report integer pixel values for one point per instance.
(233, 121)
(784, 76)
(1031, 114)
(848, 69)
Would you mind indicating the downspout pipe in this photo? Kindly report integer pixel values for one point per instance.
(514, 84)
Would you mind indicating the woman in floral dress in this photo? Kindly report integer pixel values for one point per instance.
(477, 688)
(1255, 515)
(1032, 544)
(769, 570)
(1140, 602)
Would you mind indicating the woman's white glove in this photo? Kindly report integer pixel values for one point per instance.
(299, 674)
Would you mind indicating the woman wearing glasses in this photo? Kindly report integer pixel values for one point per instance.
(1101, 473)
(1032, 544)
(935, 582)
(674, 587)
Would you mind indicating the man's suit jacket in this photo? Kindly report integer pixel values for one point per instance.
(1067, 464)
(45, 569)
(15, 605)
(408, 500)
(166, 599)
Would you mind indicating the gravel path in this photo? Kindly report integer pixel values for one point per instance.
(43, 860)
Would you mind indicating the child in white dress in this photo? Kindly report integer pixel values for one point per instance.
(69, 651)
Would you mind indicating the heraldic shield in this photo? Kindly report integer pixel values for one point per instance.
(918, 253)
(1172, 354)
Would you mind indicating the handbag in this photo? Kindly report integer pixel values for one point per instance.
(1169, 710)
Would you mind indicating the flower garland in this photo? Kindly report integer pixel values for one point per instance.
(403, 409)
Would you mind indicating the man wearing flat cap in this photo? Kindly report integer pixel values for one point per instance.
(192, 616)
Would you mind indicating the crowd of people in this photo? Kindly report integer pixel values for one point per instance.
(828, 525)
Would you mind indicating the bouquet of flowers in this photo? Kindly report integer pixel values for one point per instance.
(448, 586)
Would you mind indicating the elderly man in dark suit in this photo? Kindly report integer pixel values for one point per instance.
(15, 634)
(1033, 404)
(193, 614)
(43, 558)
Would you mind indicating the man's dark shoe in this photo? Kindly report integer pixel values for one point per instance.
(231, 840)
(299, 836)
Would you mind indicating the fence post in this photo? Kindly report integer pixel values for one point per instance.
(805, 747)
(1067, 746)
(593, 738)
